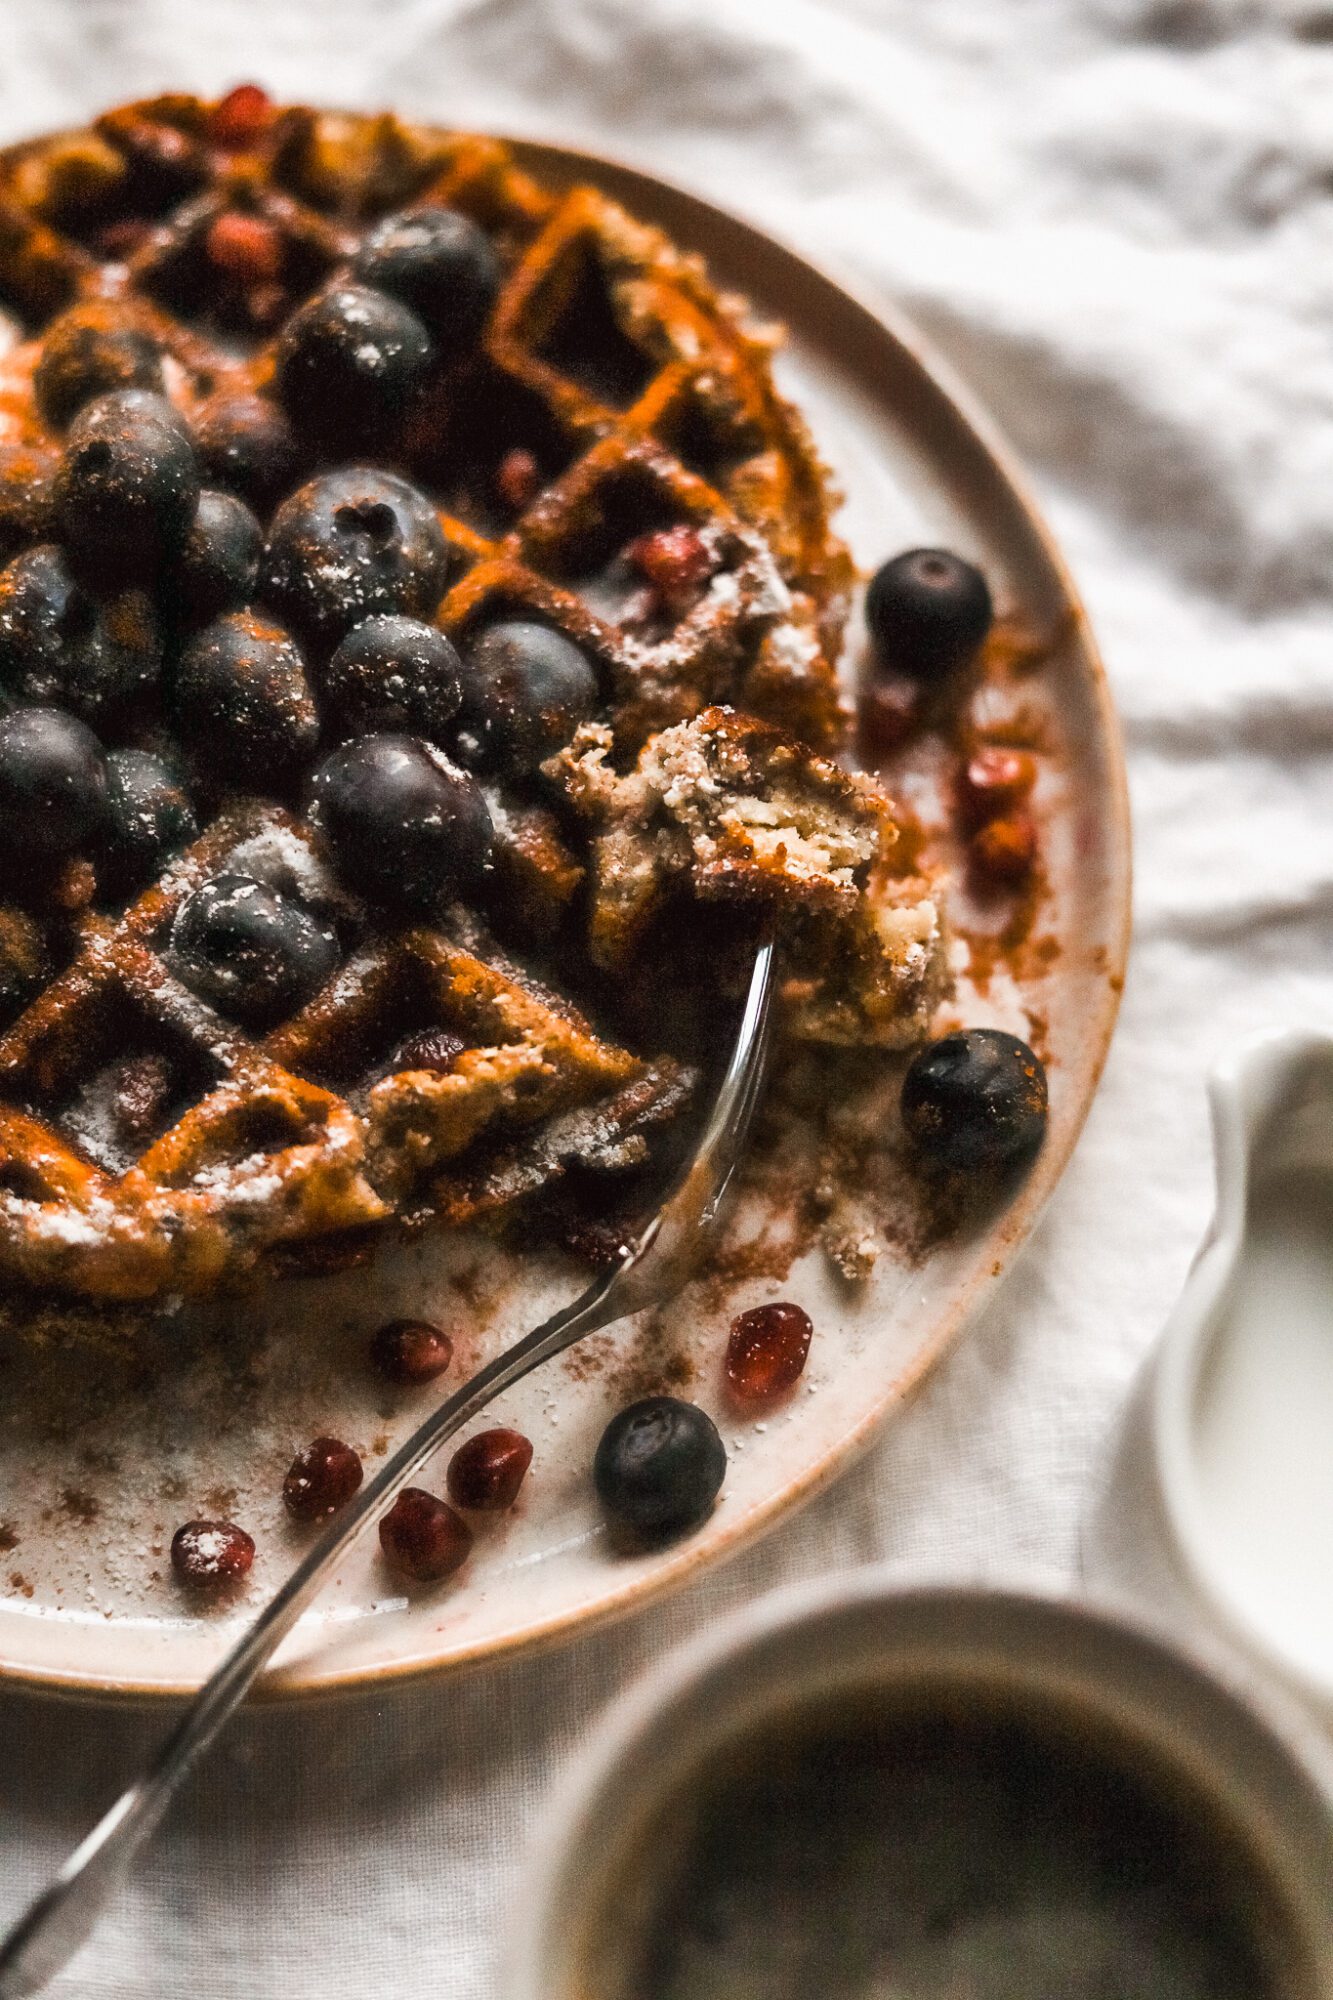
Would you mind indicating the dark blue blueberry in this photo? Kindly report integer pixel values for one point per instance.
(526, 688)
(219, 561)
(52, 784)
(250, 951)
(350, 544)
(27, 496)
(63, 645)
(128, 482)
(148, 819)
(395, 673)
(246, 444)
(659, 1466)
(928, 612)
(440, 264)
(91, 349)
(242, 701)
(405, 825)
(350, 362)
(975, 1100)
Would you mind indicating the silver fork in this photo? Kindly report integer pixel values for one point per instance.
(650, 1270)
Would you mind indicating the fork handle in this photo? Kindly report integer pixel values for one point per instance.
(650, 1270)
(57, 1922)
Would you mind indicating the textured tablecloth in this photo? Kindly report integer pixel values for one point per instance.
(1116, 216)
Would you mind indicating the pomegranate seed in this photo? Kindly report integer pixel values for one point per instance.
(889, 713)
(241, 117)
(248, 246)
(1005, 849)
(211, 1554)
(676, 561)
(321, 1478)
(993, 781)
(487, 1471)
(767, 1351)
(433, 1048)
(518, 479)
(411, 1351)
(423, 1538)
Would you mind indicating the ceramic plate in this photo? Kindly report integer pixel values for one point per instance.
(97, 1471)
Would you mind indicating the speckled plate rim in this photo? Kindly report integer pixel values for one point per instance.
(860, 325)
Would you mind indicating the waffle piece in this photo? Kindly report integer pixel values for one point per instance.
(634, 399)
(149, 1146)
(601, 452)
(726, 809)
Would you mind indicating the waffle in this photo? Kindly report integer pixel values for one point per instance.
(726, 810)
(610, 459)
(642, 397)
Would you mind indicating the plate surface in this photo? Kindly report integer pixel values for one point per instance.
(97, 1471)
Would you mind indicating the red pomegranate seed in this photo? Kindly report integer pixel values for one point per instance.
(518, 479)
(241, 117)
(889, 713)
(486, 1472)
(994, 781)
(248, 246)
(676, 561)
(423, 1538)
(321, 1478)
(411, 1351)
(1005, 849)
(433, 1048)
(767, 1351)
(211, 1554)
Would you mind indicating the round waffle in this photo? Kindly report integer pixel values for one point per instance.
(604, 454)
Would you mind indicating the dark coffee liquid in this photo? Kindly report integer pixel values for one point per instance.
(961, 1852)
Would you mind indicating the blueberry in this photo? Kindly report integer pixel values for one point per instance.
(27, 496)
(405, 825)
(219, 560)
(251, 952)
(395, 673)
(975, 1100)
(242, 700)
(350, 544)
(246, 444)
(440, 264)
(659, 1466)
(52, 783)
(350, 361)
(148, 819)
(928, 612)
(91, 349)
(61, 644)
(128, 481)
(526, 688)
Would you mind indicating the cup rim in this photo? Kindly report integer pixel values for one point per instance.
(667, 1687)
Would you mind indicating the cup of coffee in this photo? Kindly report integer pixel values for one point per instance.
(883, 1792)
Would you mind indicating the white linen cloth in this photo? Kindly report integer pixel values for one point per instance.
(1117, 217)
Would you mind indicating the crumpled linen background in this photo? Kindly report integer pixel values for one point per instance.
(1116, 217)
